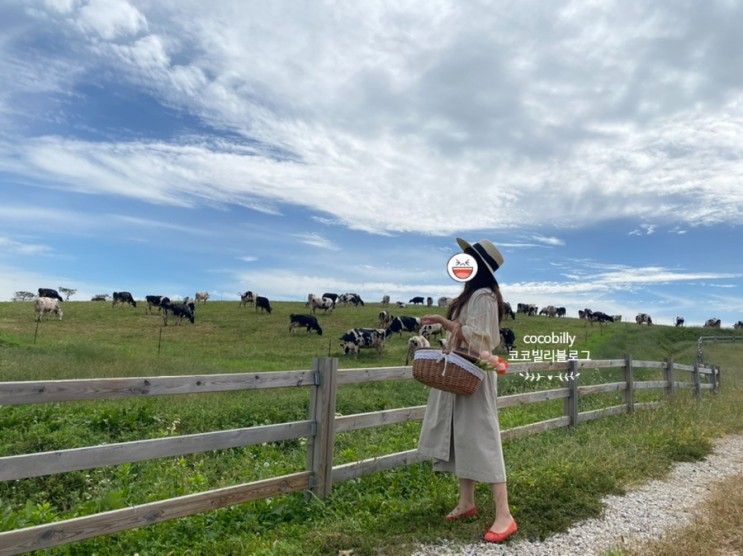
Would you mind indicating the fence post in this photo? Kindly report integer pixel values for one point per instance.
(669, 377)
(571, 402)
(629, 393)
(713, 378)
(697, 386)
(717, 378)
(322, 416)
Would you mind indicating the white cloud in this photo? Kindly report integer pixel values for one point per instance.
(547, 240)
(110, 19)
(248, 259)
(316, 240)
(8, 245)
(643, 230)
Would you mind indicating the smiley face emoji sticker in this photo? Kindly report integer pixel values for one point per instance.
(462, 267)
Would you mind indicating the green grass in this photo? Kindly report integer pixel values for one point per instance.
(555, 478)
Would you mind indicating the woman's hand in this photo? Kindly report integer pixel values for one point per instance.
(435, 319)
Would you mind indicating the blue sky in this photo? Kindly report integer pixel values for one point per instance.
(170, 147)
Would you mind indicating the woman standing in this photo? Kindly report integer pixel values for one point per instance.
(461, 433)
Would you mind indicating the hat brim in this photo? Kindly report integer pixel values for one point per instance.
(463, 244)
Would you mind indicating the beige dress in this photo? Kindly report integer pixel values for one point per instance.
(461, 433)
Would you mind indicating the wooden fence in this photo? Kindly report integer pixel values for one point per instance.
(320, 429)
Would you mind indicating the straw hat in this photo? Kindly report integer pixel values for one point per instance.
(486, 250)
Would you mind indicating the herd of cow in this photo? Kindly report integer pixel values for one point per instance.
(354, 339)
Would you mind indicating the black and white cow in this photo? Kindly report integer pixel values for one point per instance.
(307, 321)
(201, 297)
(100, 297)
(643, 318)
(444, 301)
(333, 296)
(49, 292)
(429, 302)
(155, 301)
(44, 305)
(679, 321)
(738, 324)
(712, 323)
(179, 310)
(617, 318)
(601, 318)
(403, 324)
(325, 303)
(416, 300)
(585, 314)
(246, 298)
(508, 311)
(263, 304)
(352, 298)
(357, 338)
(507, 338)
(400, 304)
(528, 309)
(385, 318)
(123, 297)
(561, 311)
(385, 300)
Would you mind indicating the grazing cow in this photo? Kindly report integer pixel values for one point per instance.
(353, 298)
(561, 311)
(712, 323)
(643, 318)
(385, 318)
(507, 338)
(44, 305)
(403, 324)
(585, 314)
(444, 301)
(617, 318)
(100, 297)
(179, 310)
(356, 338)
(416, 300)
(429, 302)
(738, 324)
(508, 311)
(308, 321)
(263, 304)
(601, 318)
(428, 330)
(49, 292)
(326, 304)
(123, 297)
(400, 304)
(155, 301)
(415, 342)
(385, 300)
(201, 296)
(549, 310)
(679, 321)
(333, 296)
(527, 309)
(246, 298)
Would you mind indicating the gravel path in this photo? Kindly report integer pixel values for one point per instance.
(644, 513)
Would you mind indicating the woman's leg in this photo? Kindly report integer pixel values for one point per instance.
(466, 497)
(502, 512)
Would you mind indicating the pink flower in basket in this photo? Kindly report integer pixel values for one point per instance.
(495, 361)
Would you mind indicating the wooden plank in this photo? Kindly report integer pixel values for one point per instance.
(705, 371)
(680, 367)
(604, 412)
(44, 391)
(532, 397)
(374, 374)
(600, 363)
(61, 461)
(649, 384)
(522, 367)
(534, 428)
(371, 465)
(696, 382)
(680, 384)
(629, 392)
(669, 377)
(606, 387)
(648, 364)
(322, 413)
(378, 418)
(706, 386)
(71, 530)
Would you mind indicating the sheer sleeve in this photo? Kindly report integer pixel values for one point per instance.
(480, 326)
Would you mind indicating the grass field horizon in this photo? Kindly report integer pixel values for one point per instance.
(555, 478)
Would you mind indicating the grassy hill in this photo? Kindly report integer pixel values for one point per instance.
(555, 478)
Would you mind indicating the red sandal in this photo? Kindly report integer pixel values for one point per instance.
(492, 536)
(472, 512)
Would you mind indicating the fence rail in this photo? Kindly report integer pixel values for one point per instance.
(320, 429)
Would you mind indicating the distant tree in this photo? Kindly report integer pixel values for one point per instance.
(67, 292)
(23, 296)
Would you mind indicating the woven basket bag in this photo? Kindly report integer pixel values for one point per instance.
(453, 372)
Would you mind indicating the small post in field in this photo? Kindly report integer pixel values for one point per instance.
(571, 402)
(697, 384)
(669, 376)
(36, 332)
(159, 340)
(629, 393)
(322, 416)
